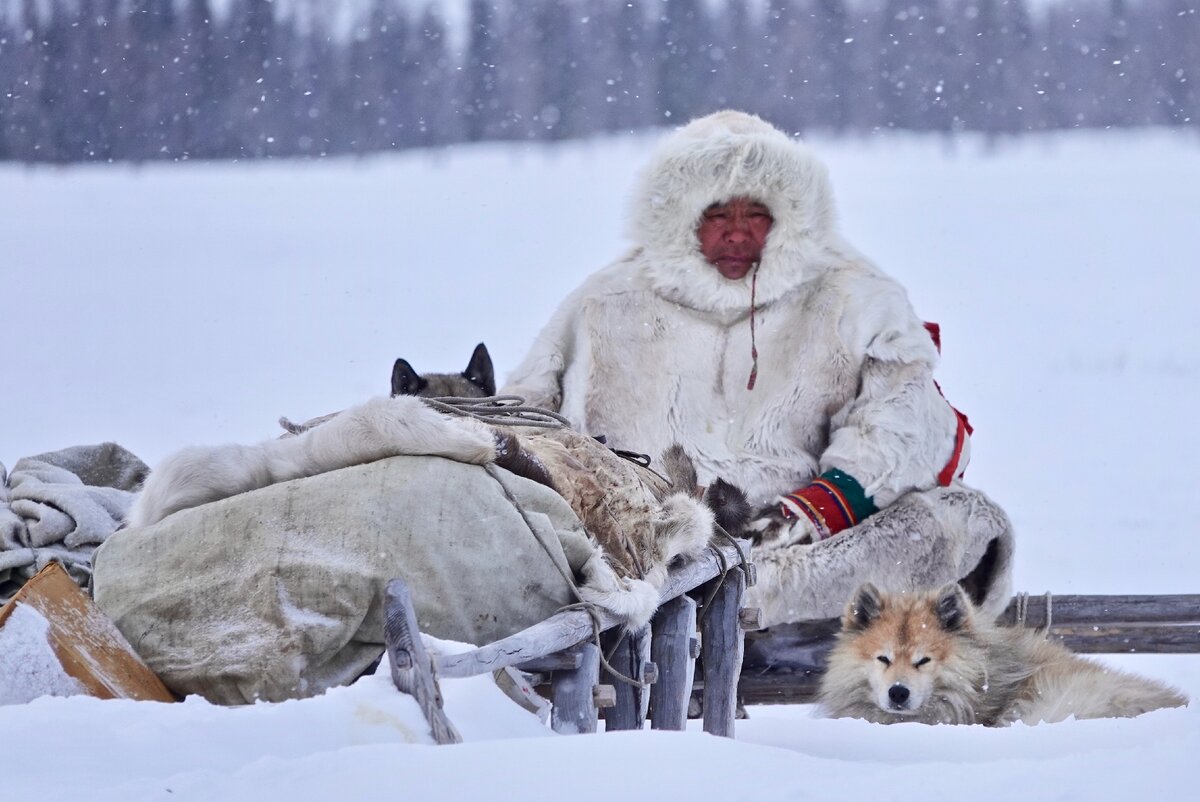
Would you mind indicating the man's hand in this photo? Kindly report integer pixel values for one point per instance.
(771, 527)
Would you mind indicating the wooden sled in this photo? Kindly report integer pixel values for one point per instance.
(783, 664)
(561, 651)
(742, 663)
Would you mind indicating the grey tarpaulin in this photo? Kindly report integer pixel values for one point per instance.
(59, 506)
(278, 593)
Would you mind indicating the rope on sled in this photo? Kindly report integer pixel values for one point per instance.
(743, 564)
(1022, 611)
(580, 604)
(499, 410)
(496, 410)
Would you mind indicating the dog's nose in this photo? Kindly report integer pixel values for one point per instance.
(898, 694)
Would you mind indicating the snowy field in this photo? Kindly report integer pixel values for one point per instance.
(175, 304)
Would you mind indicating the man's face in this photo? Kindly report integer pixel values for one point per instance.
(732, 235)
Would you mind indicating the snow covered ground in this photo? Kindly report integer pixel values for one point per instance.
(175, 304)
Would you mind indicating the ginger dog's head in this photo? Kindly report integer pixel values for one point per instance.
(905, 646)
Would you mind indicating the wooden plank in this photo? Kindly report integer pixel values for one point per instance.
(412, 667)
(86, 642)
(574, 708)
(721, 644)
(1141, 638)
(673, 631)
(565, 629)
(559, 661)
(604, 696)
(750, 619)
(778, 688)
(798, 646)
(629, 653)
(522, 689)
(558, 632)
(1107, 610)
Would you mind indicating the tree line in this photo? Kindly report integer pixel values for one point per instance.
(98, 80)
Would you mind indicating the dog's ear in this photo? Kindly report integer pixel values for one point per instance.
(729, 506)
(405, 380)
(479, 370)
(953, 608)
(864, 607)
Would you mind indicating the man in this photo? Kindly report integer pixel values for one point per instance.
(742, 326)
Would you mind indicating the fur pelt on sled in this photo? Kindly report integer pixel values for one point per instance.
(638, 522)
(382, 427)
(924, 540)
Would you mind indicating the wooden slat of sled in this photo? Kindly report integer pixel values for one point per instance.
(1105, 610)
(86, 642)
(783, 664)
(1166, 624)
(1131, 639)
(412, 667)
(561, 645)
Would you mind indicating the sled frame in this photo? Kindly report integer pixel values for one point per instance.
(560, 652)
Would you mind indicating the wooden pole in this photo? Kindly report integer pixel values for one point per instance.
(673, 632)
(631, 655)
(721, 644)
(574, 708)
(412, 666)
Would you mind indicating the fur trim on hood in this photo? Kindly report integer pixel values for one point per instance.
(714, 159)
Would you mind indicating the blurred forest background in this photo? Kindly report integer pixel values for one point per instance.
(132, 80)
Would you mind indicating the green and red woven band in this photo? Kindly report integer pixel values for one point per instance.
(834, 501)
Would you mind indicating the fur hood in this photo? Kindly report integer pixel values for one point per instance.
(714, 159)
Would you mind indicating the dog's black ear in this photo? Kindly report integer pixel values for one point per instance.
(729, 506)
(479, 370)
(405, 380)
(864, 607)
(953, 608)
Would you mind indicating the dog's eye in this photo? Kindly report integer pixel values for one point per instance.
(884, 660)
(921, 662)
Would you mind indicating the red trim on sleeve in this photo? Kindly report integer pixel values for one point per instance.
(963, 427)
(960, 439)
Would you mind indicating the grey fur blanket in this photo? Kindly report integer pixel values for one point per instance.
(59, 506)
(924, 540)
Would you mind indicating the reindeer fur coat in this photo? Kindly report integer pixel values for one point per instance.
(658, 348)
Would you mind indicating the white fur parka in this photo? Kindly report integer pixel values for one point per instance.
(657, 348)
